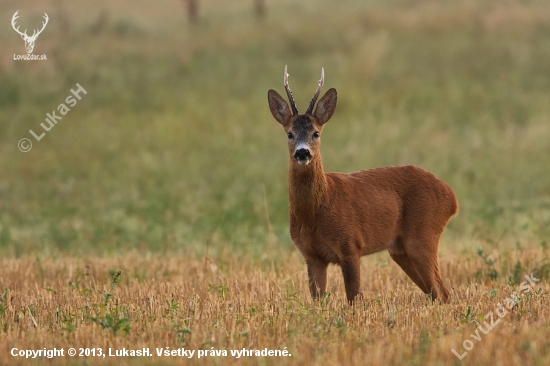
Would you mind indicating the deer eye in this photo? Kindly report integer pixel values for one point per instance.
(316, 135)
(290, 135)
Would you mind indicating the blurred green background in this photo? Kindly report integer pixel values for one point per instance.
(174, 149)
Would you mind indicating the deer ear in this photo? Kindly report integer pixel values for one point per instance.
(279, 107)
(326, 106)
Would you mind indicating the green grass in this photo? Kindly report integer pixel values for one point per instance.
(174, 148)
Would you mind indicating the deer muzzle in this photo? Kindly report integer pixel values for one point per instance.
(302, 156)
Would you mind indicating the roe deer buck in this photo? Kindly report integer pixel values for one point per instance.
(337, 218)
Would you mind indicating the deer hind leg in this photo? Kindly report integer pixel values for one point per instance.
(419, 261)
(351, 270)
(317, 275)
(407, 265)
(423, 269)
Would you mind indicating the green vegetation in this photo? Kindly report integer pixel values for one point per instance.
(174, 147)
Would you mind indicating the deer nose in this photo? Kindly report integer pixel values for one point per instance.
(302, 154)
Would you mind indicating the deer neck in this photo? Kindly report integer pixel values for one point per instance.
(307, 187)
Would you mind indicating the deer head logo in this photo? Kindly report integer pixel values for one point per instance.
(29, 40)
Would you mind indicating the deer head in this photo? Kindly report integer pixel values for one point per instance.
(303, 130)
(29, 41)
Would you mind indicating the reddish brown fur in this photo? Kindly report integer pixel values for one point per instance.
(337, 218)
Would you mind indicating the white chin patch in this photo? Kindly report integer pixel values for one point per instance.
(303, 162)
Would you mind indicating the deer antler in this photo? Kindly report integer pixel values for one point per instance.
(289, 93)
(316, 95)
(13, 20)
(35, 34)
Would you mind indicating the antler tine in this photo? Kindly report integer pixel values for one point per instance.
(316, 95)
(46, 18)
(13, 20)
(289, 93)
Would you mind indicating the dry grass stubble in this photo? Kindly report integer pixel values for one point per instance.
(234, 304)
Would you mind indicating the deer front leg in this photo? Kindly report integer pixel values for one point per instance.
(317, 274)
(351, 271)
